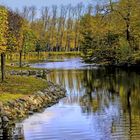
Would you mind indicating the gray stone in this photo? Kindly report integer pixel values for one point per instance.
(32, 103)
(5, 119)
(30, 112)
(32, 72)
(25, 72)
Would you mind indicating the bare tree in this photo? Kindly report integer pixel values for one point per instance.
(25, 12)
(79, 11)
(32, 12)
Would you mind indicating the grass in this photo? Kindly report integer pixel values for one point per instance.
(6, 97)
(15, 87)
(42, 55)
(19, 86)
(32, 57)
(65, 53)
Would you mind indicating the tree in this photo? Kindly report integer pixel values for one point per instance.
(111, 34)
(29, 41)
(87, 40)
(38, 47)
(78, 13)
(15, 40)
(3, 38)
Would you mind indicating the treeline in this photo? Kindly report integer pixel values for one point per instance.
(53, 29)
(111, 35)
(57, 27)
(107, 33)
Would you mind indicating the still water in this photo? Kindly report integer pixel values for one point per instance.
(101, 104)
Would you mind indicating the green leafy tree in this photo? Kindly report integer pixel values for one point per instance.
(87, 40)
(29, 41)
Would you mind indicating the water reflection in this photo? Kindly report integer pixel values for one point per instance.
(11, 132)
(64, 63)
(109, 96)
(101, 104)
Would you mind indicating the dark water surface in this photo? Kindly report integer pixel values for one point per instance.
(101, 104)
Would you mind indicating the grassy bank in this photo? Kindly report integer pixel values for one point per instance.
(33, 56)
(18, 86)
(15, 87)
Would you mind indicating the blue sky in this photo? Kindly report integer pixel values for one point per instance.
(39, 3)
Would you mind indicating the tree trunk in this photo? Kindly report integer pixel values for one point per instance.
(128, 33)
(2, 67)
(38, 54)
(20, 59)
(24, 56)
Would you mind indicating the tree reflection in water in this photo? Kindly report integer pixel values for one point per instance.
(109, 98)
(111, 95)
(116, 88)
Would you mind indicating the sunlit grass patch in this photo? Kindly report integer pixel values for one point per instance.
(4, 97)
(17, 86)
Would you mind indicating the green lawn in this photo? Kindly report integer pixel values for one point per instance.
(18, 86)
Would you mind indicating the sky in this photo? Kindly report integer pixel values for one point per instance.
(39, 3)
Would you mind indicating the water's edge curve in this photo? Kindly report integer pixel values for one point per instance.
(23, 107)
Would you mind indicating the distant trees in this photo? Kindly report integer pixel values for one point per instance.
(107, 33)
(110, 33)
(22, 32)
(57, 28)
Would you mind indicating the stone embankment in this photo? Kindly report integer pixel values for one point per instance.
(36, 73)
(18, 109)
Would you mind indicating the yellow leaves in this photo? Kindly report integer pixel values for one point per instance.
(15, 32)
(2, 49)
(3, 28)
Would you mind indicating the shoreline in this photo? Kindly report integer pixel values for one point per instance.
(16, 110)
(124, 66)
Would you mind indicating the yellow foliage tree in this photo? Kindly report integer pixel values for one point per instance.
(3, 38)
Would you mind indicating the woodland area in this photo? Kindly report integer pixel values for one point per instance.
(111, 36)
(108, 33)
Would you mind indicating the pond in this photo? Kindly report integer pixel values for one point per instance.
(101, 104)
